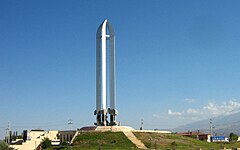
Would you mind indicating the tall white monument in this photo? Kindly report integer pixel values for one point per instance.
(105, 76)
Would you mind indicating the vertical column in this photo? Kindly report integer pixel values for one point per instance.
(104, 73)
(98, 74)
(104, 66)
(112, 110)
(101, 75)
(112, 73)
(98, 77)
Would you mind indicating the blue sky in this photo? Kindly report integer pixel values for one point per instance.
(175, 61)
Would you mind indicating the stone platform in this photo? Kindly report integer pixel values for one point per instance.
(107, 128)
(117, 129)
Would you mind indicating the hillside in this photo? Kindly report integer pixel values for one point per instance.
(118, 141)
(171, 141)
(105, 140)
(223, 125)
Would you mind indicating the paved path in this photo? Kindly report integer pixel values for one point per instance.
(134, 139)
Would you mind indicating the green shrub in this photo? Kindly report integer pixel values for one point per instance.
(4, 146)
(46, 143)
(233, 137)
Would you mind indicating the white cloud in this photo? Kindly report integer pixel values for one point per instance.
(226, 108)
(170, 112)
(190, 100)
(210, 110)
(192, 111)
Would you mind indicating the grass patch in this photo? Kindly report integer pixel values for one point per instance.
(178, 142)
(118, 141)
(102, 140)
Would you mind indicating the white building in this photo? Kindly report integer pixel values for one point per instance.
(35, 137)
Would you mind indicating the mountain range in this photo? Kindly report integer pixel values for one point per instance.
(222, 125)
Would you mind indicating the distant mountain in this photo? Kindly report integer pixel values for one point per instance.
(223, 125)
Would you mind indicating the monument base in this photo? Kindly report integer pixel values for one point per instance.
(118, 129)
(106, 128)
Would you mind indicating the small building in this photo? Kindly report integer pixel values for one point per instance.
(204, 137)
(66, 136)
(32, 139)
(35, 133)
(219, 139)
(197, 134)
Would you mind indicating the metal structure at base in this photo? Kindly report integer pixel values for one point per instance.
(105, 76)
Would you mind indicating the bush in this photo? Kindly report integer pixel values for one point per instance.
(46, 143)
(4, 146)
(233, 137)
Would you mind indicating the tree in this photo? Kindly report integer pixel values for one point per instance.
(4, 146)
(233, 137)
(46, 143)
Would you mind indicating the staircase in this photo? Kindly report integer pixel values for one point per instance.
(134, 139)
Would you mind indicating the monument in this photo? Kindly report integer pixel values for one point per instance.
(106, 111)
(105, 76)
